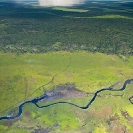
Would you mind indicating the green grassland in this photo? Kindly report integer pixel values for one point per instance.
(107, 16)
(113, 17)
(69, 9)
(113, 10)
(22, 75)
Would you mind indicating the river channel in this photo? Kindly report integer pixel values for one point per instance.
(36, 100)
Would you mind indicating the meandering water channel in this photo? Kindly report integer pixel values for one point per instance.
(36, 100)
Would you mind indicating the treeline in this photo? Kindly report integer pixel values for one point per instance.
(42, 30)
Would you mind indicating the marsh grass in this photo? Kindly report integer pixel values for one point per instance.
(22, 75)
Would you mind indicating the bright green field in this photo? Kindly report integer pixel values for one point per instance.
(113, 16)
(21, 75)
(108, 16)
(69, 9)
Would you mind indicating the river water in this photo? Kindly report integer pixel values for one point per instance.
(36, 100)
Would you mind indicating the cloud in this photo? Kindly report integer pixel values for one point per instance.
(50, 2)
(19, 1)
(60, 2)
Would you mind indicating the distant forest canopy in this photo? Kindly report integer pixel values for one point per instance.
(95, 27)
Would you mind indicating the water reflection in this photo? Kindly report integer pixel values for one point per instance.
(60, 2)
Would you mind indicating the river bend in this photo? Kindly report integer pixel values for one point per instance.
(36, 100)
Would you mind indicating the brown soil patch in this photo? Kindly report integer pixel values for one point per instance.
(127, 117)
(105, 112)
(27, 114)
(9, 123)
(69, 75)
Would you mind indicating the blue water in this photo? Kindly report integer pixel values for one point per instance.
(35, 101)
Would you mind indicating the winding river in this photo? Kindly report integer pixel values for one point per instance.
(36, 100)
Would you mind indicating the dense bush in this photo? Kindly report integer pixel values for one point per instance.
(39, 29)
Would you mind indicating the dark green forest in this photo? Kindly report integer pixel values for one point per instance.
(38, 30)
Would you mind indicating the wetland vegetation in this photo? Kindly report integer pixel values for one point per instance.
(22, 75)
(87, 47)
